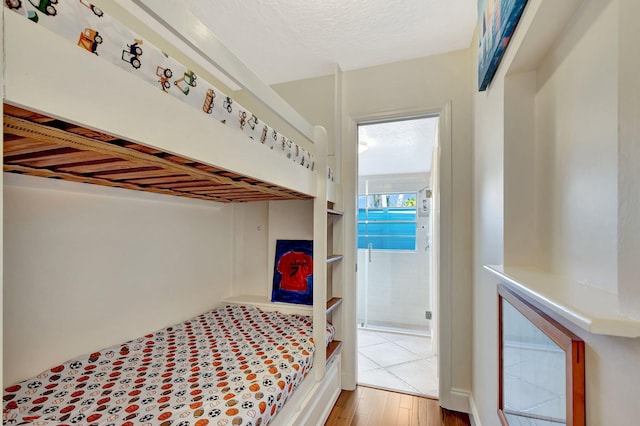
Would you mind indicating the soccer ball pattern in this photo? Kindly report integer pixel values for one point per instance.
(231, 366)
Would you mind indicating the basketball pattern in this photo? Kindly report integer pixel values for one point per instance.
(330, 333)
(235, 365)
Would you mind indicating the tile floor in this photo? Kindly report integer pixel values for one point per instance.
(534, 384)
(397, 361)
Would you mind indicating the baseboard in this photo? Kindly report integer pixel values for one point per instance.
(456, 400)
(474, 416)
(462, 401)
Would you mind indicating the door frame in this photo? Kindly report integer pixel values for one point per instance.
(413, 184)
(442, 302)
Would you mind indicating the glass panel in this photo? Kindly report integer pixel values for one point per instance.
(362, 202)
(387, 221)
(534, 379)
(376, 215)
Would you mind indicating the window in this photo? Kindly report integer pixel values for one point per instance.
(387, 221)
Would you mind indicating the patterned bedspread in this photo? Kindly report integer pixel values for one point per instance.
(235, 365)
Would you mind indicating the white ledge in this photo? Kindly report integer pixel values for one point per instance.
(590, 308)
(264, 303)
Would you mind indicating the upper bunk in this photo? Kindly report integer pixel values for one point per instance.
(89, 100)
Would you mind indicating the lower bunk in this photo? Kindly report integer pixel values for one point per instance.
(235, 365)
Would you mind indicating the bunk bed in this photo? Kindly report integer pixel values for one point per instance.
(142, 132)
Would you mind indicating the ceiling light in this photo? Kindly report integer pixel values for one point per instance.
(362, 146)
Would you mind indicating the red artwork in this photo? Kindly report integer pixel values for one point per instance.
(293, 272)
(295, 267)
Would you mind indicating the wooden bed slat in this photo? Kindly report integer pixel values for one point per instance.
(55, 160)
(207, 168)
(96, 166)
(142, 148)
(26, 114)
(222, 188)
(182, 160)
(52, 152)
(42, 146)
(56, 136)
(17, 145)
(242, 197)
(104, 182)
(131, 174)
(91, 133)
(168, 180)
(192, 185)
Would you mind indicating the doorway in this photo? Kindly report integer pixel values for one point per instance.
(395, 296)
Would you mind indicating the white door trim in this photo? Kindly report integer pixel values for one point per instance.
(450, 398)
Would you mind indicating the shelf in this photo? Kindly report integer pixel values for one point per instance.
(334, 227)
(263, 302)
(591, 309)
(333, 349)
(333, 304)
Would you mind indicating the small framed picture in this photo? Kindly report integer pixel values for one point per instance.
(293, 272)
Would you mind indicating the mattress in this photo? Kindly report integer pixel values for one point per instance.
(235, 365)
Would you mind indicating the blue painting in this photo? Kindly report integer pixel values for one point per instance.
(497, 20)
(293, 272)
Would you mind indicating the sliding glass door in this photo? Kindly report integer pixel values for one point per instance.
(393, 261)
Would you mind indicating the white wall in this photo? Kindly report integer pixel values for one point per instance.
(251, 254)
(313, 98)
(258, 226)
(576, 110)
(568, 96)
(86, 267)
(628, 158)
(488, 246)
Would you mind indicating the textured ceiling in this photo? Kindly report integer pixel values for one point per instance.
(397, 147)
(287, 40)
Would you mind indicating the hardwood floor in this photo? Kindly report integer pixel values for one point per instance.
(453, 418)
(367, 406)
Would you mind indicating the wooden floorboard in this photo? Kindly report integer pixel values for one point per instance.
(368, 406)
(453, 418)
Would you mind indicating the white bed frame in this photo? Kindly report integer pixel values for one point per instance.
(49, 77)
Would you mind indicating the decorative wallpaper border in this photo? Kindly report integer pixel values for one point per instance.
(99, 34)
